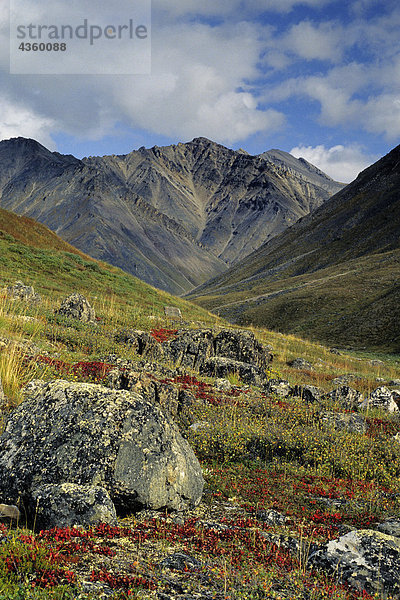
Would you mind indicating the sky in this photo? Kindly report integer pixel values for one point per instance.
(317, 78)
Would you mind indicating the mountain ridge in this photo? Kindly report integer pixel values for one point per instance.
(173, 215)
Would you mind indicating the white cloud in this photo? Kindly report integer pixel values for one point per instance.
(323, 41)
(17, 120)
(342, 163)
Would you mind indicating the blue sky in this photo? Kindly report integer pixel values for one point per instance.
(317, 78)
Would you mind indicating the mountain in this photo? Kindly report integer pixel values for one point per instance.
(333, 275)
(173, 216)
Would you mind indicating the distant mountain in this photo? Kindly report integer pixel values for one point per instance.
(333, 276)
(173, 216)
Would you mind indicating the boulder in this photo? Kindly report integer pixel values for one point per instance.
(301, 364)
(77, 307)
(349, 422)
(69, 504)
(89, 435)
(365, 559)
(172, 312)
(347, 397)
(222, 385)
(242, 346)
(382, 398)
(23, 292)
(308, 393)
(279, 387)
(221, 367)
(190, 348)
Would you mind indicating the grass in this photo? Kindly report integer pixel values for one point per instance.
(258, 453)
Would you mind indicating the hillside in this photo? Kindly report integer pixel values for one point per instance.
(172, 216)
(32, 253)
(332, 276)
(295, 461)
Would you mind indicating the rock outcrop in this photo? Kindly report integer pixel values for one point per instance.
(23, 292)
(89, 435)
(382, 398)
(77, 307)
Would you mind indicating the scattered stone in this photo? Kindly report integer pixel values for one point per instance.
(172, 312)
(344, 379)
(308, 393)
(23, 292)
(272, 517)
(347, 397)
(87, 434)
(69, 504)
(9, 511)
(380, 379)
(77, 307)
(376, 363)
(349, 422)
(301, 364)
(394, 382)
(335, 351)
(367, 560)
(180, 562)
(222, 367)
(223, 385)
(279, 387)
(381, 398)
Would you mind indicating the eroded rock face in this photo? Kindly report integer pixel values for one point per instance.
(308, 393)
(77, 307)
(89, 435)
(69, 504)
(367, 560)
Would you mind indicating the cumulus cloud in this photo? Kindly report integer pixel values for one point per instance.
(323, 41)
(17, 120)
(342, 163)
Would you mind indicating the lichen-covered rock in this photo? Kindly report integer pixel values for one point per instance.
(221, 367)
(279, 387)
(301, 364)
(308, 393)
(77, 307)
(347, 397)
(350, 422)
(69, 504)
(367, 560)
(381, 398)
(192, 348)
(90, 435)
(23, 292)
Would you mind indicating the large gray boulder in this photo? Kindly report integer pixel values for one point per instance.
(77, 307)
(89, 435)
(367, 560)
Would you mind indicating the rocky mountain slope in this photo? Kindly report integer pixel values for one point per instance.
(173, 216)
(333, 275)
